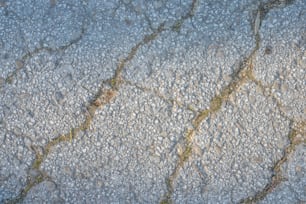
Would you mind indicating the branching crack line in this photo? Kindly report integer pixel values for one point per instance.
(162, 96)
(20, 63)
(243, 74)
(102, 98)
(296, 136)
(105, 95)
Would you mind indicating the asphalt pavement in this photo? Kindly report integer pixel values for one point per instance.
(123, 101)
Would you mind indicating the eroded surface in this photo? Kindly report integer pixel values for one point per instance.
(152, 102)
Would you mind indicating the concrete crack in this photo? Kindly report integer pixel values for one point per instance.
(162, 96)
(110, 88)
(103, 97)
(176, 26)
(296, 135)
(243, 74)
(20, 62)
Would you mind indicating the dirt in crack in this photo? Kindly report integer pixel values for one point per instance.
(241, 77)
(106, 95)
(20, 63)
(296, 136)
(243, 74)
(103, 97)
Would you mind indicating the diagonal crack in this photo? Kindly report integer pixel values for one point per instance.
(296, 136)
(20, 62)
(106, 95)
(103, 97)
(243, 74)
(164, 97)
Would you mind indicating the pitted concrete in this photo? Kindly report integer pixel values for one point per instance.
(152, 102)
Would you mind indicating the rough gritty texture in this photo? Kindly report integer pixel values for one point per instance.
(281, 60)
(292, 190)
(152, 101)
(135, 151)
(233, 153)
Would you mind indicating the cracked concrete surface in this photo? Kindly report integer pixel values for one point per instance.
(152, 101)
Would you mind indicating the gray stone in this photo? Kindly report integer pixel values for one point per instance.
(176, 62)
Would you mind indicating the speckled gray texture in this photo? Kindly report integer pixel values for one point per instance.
(165, 61)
